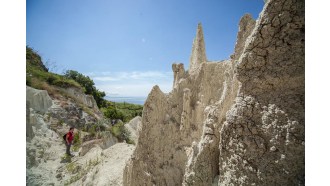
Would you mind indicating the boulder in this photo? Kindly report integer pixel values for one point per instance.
(39, 100)
(85, 147)
(134, 127)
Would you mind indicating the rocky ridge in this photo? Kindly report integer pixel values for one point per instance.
(235, 122)
(97, 162)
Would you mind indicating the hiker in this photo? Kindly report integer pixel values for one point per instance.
(68, 141)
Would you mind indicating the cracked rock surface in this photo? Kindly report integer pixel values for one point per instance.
(239, 121)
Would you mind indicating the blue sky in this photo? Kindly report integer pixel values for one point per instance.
(127, 46)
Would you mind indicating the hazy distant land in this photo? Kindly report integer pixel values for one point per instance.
(134, 100)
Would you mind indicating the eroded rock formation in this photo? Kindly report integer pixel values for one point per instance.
(235, 122)
(39, 100)
(134, 127)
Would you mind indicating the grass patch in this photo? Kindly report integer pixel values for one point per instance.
(88, 166)
(66, 158)
(77, 141)
(72, 167)
(120, 132)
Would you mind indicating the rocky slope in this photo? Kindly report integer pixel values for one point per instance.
(235, 122)
(97, 162)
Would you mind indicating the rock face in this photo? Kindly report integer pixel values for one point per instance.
(46, 121)
(235, 122)
(29, 130)
(39, 100)
(83, 98)
(198, 54)
(134, 127)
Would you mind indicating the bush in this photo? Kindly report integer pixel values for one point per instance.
(112, 113)
(122, 111)
(76, 141)
(120, 132)
(34, 59)
(88, 85)
(37, 73)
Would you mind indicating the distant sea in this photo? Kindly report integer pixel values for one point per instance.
(134, 100)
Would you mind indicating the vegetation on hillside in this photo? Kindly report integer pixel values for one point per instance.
(88, 86)
(123, 111)
(120, 131)
(39, 77)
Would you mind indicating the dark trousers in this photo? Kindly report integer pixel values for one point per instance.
(68, 146)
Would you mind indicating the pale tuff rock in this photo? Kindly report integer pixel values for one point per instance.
(29, 130)
(235, 122)
(100, 162)
(107, 141)
(110, 169)
(39, 100)
(246, 25)
(82, 98)
(179, 73)
(198, 55)
(70, 112)
(134, 127)
(263, 137)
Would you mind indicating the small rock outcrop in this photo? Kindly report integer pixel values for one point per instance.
(235, 122)
(29, 130)
(134, 127)
(39, 100)
(80, 96)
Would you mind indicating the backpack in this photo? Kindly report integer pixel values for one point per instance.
(64, 137)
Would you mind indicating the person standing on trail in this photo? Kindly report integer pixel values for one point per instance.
(68, 141)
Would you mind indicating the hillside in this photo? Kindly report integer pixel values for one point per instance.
(56, 102)
(73, 83)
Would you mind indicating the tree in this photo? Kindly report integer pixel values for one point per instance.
(88, 85)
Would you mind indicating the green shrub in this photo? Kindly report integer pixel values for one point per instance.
(60, 122)
(120, 132)
(123, 111)
(112, 113)
(35, 69)
(76, 141)
(34, 59)
(88, 85)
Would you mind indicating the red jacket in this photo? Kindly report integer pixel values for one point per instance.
(70, 136)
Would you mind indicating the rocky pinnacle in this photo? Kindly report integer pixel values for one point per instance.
(198, 55)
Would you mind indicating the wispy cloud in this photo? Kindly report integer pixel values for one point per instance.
(135, 83)
(106, 78)
(133, 89)
(135, 75)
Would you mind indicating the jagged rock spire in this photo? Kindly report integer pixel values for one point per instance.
(198, 55)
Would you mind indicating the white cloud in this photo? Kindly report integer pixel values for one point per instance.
(118, 76)
(106, 78)
(133, 90)
(134, 83)
(143, 40)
